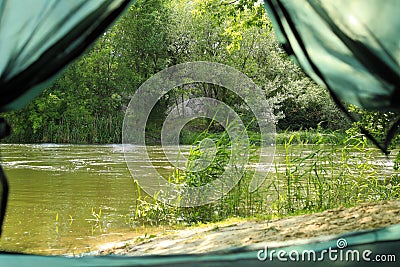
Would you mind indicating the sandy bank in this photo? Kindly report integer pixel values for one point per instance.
(237, 232)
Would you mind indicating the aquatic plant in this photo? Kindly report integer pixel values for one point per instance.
(307, 178)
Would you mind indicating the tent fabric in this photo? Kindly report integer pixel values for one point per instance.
(384, 241)
(351, 47)
(4, 131)
(38, 38)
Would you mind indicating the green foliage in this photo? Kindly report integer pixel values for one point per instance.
(396, 165)
(377, 123)
(311, 136)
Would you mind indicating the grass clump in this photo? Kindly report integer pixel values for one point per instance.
(307, 178)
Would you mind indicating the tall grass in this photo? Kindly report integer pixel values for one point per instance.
(72, 130)
(307, 178)
(311, 136)
(328, 176)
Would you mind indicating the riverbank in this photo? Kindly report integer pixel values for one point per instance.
(236, 232)
(310, 136)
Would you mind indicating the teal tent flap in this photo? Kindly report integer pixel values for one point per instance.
(384, 241)
(352, 47)
(38, 38)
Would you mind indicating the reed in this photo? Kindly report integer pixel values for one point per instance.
(307, 179)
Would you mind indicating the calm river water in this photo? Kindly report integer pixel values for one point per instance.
(54, 190)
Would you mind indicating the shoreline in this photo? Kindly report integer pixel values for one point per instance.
(241, 232)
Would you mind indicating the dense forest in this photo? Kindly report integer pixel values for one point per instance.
(86, 103)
